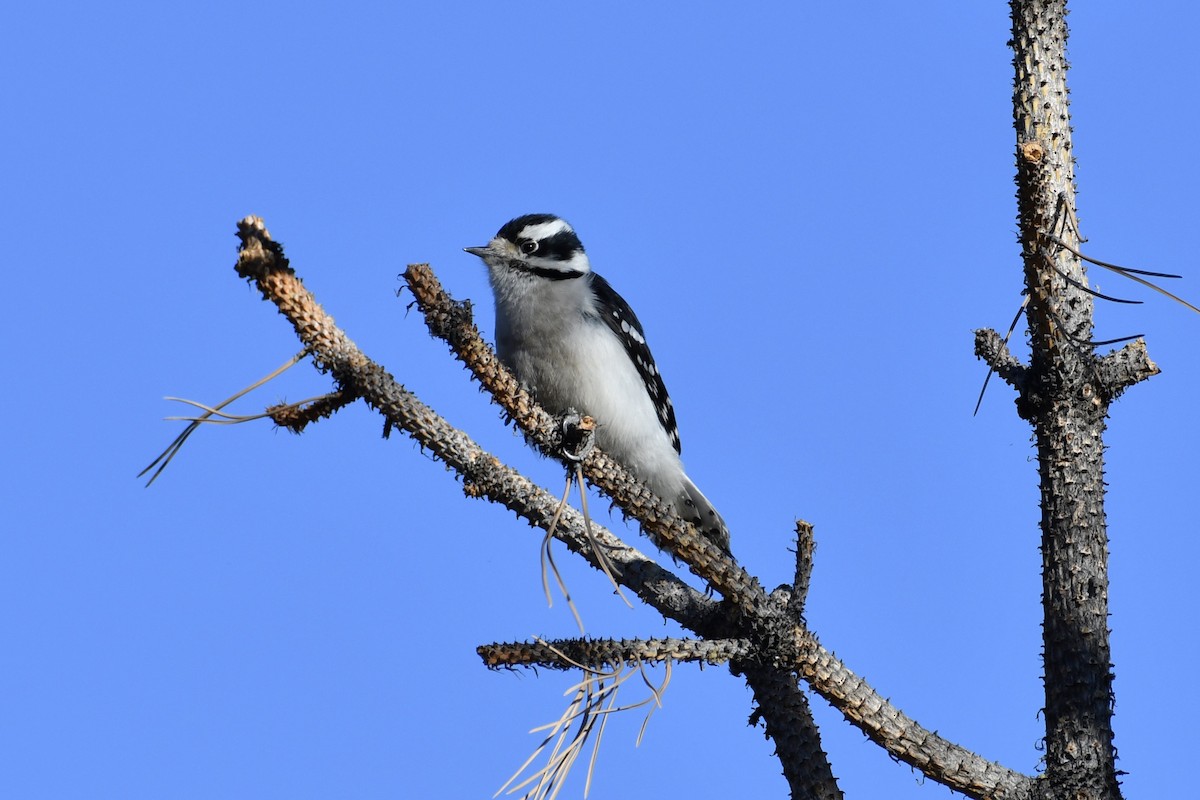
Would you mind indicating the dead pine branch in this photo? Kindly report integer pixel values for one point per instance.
(781, 646)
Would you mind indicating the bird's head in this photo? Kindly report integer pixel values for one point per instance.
(536, 244)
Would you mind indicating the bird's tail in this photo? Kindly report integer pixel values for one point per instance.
(693, 506)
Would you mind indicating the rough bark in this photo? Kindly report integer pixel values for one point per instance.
(798, 744)
(780, 644)
(1065, 393)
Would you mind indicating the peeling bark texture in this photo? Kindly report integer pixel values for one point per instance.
(1065, 394)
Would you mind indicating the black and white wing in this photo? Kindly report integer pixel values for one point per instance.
(624, 323)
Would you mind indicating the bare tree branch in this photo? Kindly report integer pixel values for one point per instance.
(484, 475)
(777, 641)
(805, 763)
(1130, 365)
(452, 322)
(296, 417)
(806, 545)
(598, 653)
(963, 770)
(991, 347)
(938, 758)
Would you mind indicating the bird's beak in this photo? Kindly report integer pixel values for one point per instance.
(482, 252)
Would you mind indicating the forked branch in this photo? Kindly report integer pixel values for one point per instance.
(780, 643)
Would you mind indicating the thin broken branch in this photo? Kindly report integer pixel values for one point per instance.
(806, 545)
(298, 416)
(993, 349)
(1125, 367)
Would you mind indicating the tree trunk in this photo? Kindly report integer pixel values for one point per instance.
(1065, 397)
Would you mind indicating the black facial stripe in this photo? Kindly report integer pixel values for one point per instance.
(545, 272)
(562, 246)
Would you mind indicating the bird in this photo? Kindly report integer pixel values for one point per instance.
(576, 345)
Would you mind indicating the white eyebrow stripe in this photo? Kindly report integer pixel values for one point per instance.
(544, 230)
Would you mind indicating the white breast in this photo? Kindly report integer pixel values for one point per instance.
(549, 335)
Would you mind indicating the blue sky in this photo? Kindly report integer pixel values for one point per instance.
(811, 208)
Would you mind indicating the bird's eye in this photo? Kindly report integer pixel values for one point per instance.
(529, 247)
